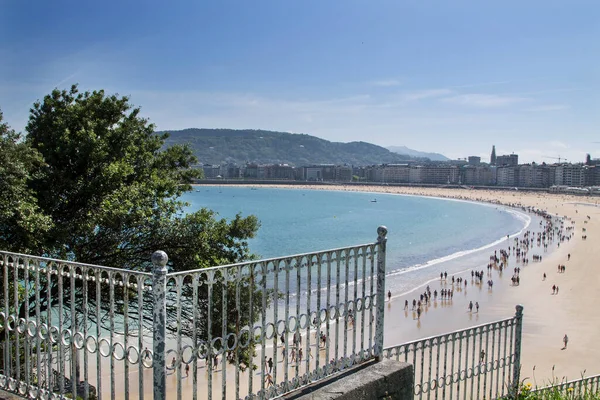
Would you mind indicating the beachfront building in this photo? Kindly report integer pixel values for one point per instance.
(533, 175)
(569, 175)
(474, 160)
(343, 173)
(415, 174)
(393, 173)
(477, 175)
(280, 172)
(510, 160)
(441, 174)
(506, 176)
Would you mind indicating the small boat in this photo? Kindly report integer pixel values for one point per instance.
(374, 201)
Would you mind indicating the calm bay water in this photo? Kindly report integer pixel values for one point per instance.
(425, 235)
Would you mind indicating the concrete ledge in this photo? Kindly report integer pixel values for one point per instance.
(387, 379)
(9, 396)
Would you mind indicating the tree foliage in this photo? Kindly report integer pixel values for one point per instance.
(92, 182)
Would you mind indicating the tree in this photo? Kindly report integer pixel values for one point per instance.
(22, 223)
(105, 190)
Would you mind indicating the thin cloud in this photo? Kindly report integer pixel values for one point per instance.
(386, 83)
(469, 85)
(550, 107)
(559, 144)
(426, 94)
(484, 100)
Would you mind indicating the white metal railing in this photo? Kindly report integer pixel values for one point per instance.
(474, 363)
(575, 389)
(73, 329)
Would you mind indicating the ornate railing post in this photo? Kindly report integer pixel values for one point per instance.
(159, 289)
(381, 242)
(517, 364)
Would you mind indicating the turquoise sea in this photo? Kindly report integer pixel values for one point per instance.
(425, 235)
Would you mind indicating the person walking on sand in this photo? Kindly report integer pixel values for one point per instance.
(477, 306)
(470, 306)
(406, 304)
(544, 278)
(565, 340)
(419, 313)
(389, 295)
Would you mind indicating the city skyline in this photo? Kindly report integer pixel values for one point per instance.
(451, 79)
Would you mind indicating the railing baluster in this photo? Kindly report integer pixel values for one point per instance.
(111, 318)
(17, 373)
(140, 301)
(238, 326)
(195, 341)
(318, 325)
(349, 312)
(504, 362)
(275, 317)
(209, 354)
(285, 344)
(38, 322)
(179, 357)
(445, 370)
(307, 353)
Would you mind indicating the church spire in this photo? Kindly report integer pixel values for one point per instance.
(493, 157)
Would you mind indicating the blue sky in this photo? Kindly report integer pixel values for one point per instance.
(438, 75)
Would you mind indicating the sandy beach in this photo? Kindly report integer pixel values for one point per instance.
(547, 317)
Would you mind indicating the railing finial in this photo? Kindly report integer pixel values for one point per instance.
(159, 259)
(381, 233)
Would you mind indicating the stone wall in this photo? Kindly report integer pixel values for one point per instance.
(388, 379)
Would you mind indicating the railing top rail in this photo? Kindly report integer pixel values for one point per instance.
(74, 263)
(450, 333)
(268, 260)
(567, 383)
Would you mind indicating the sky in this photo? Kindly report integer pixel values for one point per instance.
(447, 76)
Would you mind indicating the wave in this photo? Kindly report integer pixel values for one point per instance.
(519, 215)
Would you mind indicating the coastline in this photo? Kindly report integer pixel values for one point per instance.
(546, 317)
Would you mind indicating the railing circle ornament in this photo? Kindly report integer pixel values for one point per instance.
(78, 340)
(66, 337)
(104, 347)
(118, 351)
(22, 325)
(244, 337)
(32, 329)
(91, 344)
(10, 323)
(233, 339)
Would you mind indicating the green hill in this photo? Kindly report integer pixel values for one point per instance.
(217, 146)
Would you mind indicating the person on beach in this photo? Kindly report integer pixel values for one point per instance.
(482, 356)
(477, 306)
(406, 304)
(269, 380)
(544, 278)
(389, 295)
(187, 370)
(557, 289)
(553, 289)
(470, 306)
(419, 313)
(270, 364)
(569, 257)
(565, 340)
